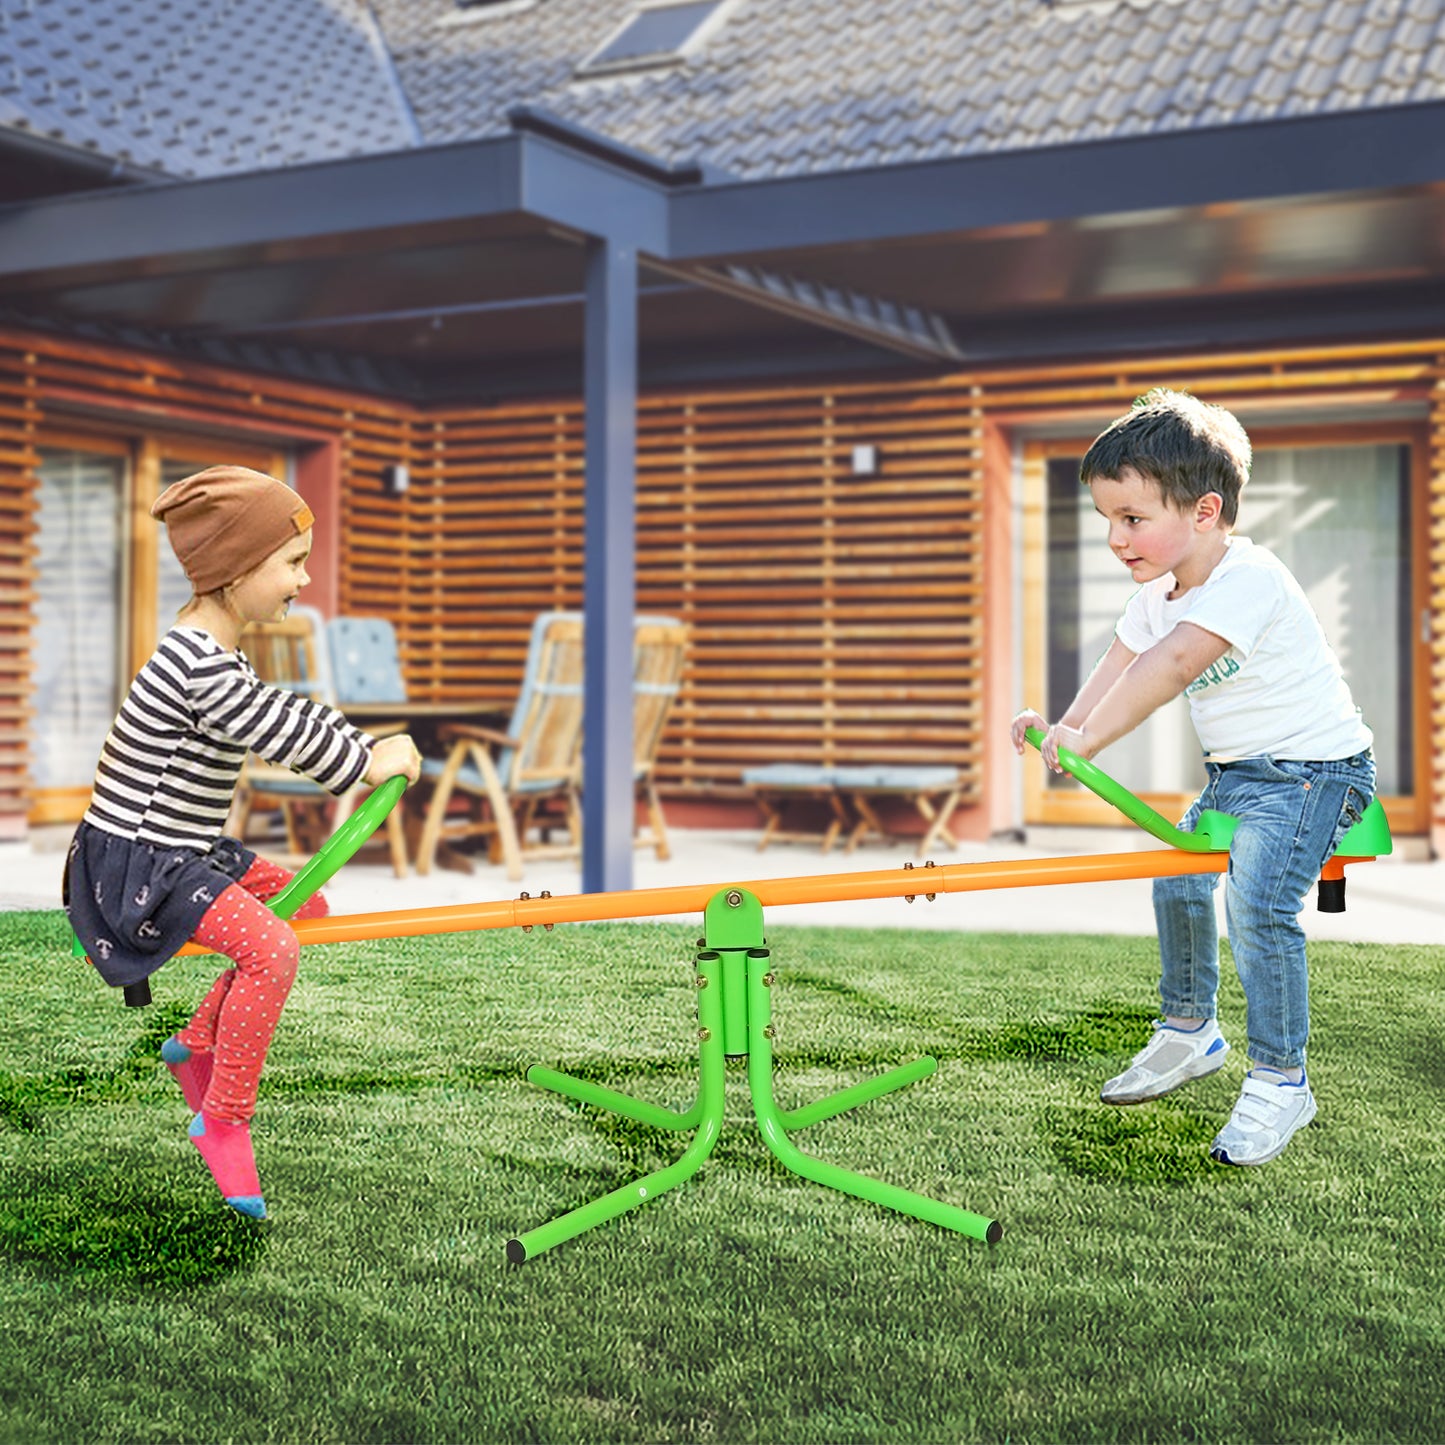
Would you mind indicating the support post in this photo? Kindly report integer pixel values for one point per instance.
(609, 567)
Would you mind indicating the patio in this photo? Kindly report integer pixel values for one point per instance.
(1399, 899)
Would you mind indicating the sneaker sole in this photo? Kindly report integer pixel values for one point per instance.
(1221, 1155)
(1213, 1063)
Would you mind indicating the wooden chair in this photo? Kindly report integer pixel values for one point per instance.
(508, 777)
(292, 654)
(659, 655)
(554, 702)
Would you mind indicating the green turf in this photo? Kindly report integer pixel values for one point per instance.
(1140, 1292)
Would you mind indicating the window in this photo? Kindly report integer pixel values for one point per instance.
(656, 35)
(468, 11)
(75, 644)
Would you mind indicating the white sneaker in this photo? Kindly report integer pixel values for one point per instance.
(1171, 1058)
(1269, 1111)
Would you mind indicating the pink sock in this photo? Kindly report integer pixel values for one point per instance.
(226, 1148)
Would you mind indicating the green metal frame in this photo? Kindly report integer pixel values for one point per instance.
(734, 982)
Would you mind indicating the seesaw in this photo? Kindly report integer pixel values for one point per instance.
(734, 976)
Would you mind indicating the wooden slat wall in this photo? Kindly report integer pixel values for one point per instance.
(488, 534)
(19, 414)
(836, 617)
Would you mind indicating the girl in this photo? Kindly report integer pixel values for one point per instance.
(149, 868)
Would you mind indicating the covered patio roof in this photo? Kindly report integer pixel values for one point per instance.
(550, 256)
(462, 266)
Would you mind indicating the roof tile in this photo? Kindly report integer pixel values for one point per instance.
(783, 86)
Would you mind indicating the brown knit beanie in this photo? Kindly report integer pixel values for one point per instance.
(224, 521)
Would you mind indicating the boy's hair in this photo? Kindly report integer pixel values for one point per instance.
(1186, 446)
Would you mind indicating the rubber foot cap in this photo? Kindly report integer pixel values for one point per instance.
(516, 1251)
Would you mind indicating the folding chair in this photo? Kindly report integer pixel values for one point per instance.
(291, 654)
(659, 654)
(507, 777)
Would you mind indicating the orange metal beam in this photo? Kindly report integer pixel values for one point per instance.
(770, 892)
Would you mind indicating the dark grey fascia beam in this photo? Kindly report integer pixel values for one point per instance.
(326, 208)
(76, 164)
(1398, 147)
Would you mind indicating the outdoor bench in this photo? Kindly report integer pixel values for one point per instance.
(848, 795)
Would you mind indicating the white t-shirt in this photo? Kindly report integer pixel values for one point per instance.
(1278, 692)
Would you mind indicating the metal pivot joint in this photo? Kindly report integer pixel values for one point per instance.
(735, 977)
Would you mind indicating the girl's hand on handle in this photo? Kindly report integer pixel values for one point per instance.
(393, 757)
(1022, 722)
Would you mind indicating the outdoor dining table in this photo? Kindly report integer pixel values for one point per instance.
(426, 718)
(424, 721)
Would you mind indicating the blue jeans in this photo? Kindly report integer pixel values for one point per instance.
(1292, 816)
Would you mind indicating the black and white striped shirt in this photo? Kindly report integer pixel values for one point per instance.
(170, 763)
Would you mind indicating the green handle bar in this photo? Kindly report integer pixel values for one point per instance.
(338, 848)
(1369, 838)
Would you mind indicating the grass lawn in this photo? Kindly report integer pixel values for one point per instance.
(1140, 1292)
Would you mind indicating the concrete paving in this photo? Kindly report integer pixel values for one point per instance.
(1398, 899)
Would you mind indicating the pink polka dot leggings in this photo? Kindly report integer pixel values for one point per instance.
(237, 1018)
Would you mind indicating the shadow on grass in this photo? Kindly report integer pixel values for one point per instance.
(1166, 1144)
(117, 1229)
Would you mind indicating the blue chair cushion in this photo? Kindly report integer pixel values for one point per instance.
(469, 776)
(365, 663)
(291, 787)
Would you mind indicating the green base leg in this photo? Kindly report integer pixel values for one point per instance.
(706, 1115)
(856, 1094)
(733, 978)
(601, 1097)
(774, 1127)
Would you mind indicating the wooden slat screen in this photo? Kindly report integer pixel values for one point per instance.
(19, 414)
(488, 534)
(835, 617)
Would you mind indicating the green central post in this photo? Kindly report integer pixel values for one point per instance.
(734, 981)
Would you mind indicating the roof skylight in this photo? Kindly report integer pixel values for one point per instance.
(468, 11)
(657, 34)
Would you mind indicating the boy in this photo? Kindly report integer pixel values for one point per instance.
(1285, 749)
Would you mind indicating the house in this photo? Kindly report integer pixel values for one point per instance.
(830, 297)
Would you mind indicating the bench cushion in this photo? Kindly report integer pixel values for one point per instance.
(789, 775)
(900, 779)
